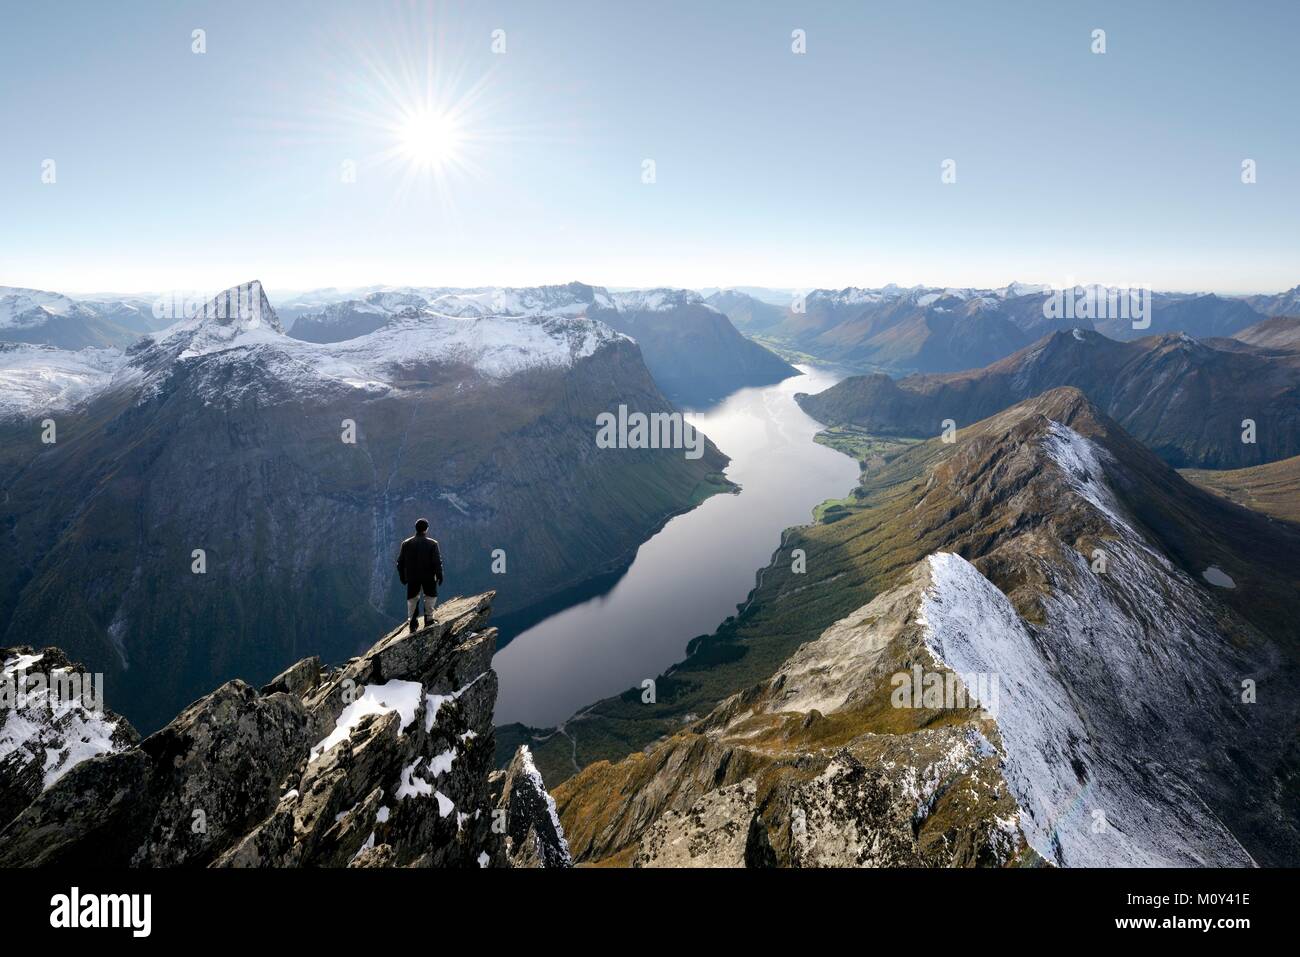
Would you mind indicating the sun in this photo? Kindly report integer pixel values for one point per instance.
(430, 139)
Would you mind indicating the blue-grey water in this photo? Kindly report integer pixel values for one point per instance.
(691, 575)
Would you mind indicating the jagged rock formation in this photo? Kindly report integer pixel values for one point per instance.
(714, 832)
(51, 718)
(1089, 698)
(533, 835)
(1184, 399)
(382, 762)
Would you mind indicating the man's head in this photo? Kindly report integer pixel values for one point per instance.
(421, 526)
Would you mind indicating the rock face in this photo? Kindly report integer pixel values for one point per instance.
(383, 762)
(51, 719)
(714, 832)
(533, 835)
(1044, 677)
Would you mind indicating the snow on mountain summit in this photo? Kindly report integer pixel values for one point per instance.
(238, 330)
(20, 307)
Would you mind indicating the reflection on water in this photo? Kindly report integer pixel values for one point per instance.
(688, 578)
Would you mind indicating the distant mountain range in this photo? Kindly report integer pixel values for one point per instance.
(295, 469)
(49, 318)
(694, 353)
(930, 329)
(1183, 398)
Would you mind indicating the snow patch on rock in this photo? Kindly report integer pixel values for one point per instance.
(396, 695)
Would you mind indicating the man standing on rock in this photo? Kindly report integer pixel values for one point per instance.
(419, 568)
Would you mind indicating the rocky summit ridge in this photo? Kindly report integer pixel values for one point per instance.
(384, 761)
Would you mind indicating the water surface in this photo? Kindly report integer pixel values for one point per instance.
(691, 575)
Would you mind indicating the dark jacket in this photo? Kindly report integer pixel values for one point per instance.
(419, 565)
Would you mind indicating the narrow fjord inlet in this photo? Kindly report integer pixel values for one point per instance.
(695, 571)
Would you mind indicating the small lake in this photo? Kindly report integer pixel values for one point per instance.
(691, 575)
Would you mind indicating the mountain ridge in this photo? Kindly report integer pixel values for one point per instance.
(1025, 498)
(1183, 398)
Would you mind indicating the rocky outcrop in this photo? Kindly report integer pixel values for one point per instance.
(51, 718)
(533, 835)
(713, 832)
(382, 762)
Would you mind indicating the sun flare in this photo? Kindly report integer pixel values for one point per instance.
(430, 139)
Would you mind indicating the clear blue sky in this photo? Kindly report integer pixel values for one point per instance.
(178, 170)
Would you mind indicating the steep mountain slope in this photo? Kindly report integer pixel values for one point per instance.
(747, 313)
(1185, 400)
(691, 349)
(295, 469)
(1273, 489)
(59, 721)
(382, 762)
(1280, 333)
(51, 319)
(1198, 316)
(1120, 686)
(340, 321)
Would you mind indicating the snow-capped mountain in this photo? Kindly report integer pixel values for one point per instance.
(691, 348)
(51, 721)
(223, 434)
(36, 380)
(240, 326)
(50, 318)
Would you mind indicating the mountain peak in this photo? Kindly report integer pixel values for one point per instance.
(244, 304)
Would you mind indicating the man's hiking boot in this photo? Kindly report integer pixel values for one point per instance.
(414, 623)
(428, 621)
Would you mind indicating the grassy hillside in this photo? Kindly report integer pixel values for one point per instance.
(1273, 489)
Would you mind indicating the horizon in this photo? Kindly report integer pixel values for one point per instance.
(344, 291)
(429, 144)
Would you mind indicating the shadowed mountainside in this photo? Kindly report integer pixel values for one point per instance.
(1184, 399)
